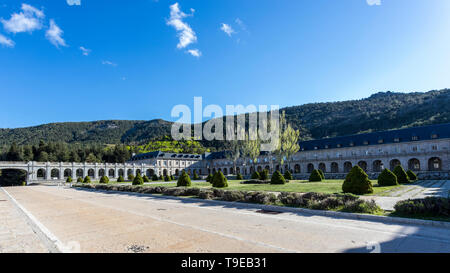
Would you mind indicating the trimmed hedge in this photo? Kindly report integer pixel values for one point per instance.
(145, 178)
(131, 177)
(69, 179)
(195, 176)
(357, 182)
(430, 206)
(277, 178)
(120, 179)
(80, 180)
(315, 176)
(184, 180)
(138, 180)
(104, 180)
(239, 177)
(264, 175)
(256, 175)
(209, 178)
(288, 175)
(321, 174)
(411, 175)
(402, 177)
(219, 180)
(387, 178)
(87, 179)
(154, 177)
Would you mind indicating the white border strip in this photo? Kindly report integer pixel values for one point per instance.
(53, 244)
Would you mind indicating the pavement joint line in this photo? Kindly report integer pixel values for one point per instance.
(53, 244)
(346, 215)
(258, 206)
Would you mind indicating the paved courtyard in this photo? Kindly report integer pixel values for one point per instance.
(120, 222)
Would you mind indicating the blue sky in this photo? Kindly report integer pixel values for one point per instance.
(116, 59)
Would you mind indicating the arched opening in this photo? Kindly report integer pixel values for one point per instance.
(54, 174)
(165, 172)
(231, 171)
(138, 171)
(363, 165)
(101, 173)
(79, 173)
(238, 170)
(322, 167)
(394, 163)
(199, 171)
(297, 168)
(67, 173)
(189, 172)
(177, 172)
(150, 173)
(225, 171)
(130, 172)
(40, 174)
(334, 167)
(435, 164)
(310, 168)
(347, 167)
(12, 177)
(414, 164)
(111, 173)
(377, 166)
(121, 172)
(91, 173)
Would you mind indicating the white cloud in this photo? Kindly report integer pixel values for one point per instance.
(195, 52)
(227, 29)
(54, 33)
(28, 20)
(74, 2)
(6, 41)
(373, 2)
(241, 24)
(85, 51)
(185, 33)
(109, 63)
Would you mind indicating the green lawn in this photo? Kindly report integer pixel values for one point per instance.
(328, 186)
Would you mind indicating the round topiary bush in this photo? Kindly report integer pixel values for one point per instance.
(402, 176)
(321, 174)
(69, 179)
(209, 178)
(184, 180)
(87, 179)
(138, 180)
(288, 175)
(264, 175)
(277, 178)
(357, 182)
(104, 180)
(387, 178)
(145, 178)
(239, 177)
(80, 180)
(256, 175)
(120, 179)
(219, 180)
(411, 175)
(315, 176)
(130, 177)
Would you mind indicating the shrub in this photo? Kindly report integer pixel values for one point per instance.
(138, 180)
(239, 177)
(172, 178)
(256, 175)
(209, 178)
(166, 178)
(184, 180)
(233, 196)
(87, 179)
(357, 182)
(145, 178)
(154, 177)
(264, 175)
(69, 179)
(195, 176)
(120, 179)
(430, 206)
(288, 175)
(80, 180)
(362, 206)
(104, 180)
(402, 177)
(130, 177)
(321, 174)
(315, 176)
(219, 180)
(161, 177)
(387, 178)
(411, 175)
(206, 194)
(277, 178)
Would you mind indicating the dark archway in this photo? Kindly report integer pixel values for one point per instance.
(91, 173)
(101, 173)
(363, 165)
(435, 164)
(111, 173)
(67, 173)
(347, 167)
(297, 168)
(394, 163)
(377, 166)
(41, 174)
(79, 173)
(323, 167)
(310, 168)
(54, 174)
(414, 164)
(334, 167)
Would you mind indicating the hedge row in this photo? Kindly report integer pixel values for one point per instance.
(428, 207)
(317, 201)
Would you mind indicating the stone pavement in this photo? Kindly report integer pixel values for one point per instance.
(16, 235)
(123, 222)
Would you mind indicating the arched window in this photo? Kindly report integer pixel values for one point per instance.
(435, 164)
(347, 167)
(363, 165)
(394, 163)
(310, 168)
(414, 164)
(323, 167)
(334, 167)
(297, 168)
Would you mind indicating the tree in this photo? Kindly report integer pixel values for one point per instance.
(28, 154)
(219, 180)
(402, 176)
(209, 178)
(264, 174)
(277, 178)
(357, 182)
(87, 179)
(251, 148)
(239, 176)
(130, 177)
(287, 142)
(387, 178)
(288, 175)
(104, 180)
(256, 176)
(138, 180)
(120, 179)
(321, 174)
(14, 153)
(91, 158)
(315, 176)
(411, 175)
(69, 179)
(184, 180)
(146, 179)
(43, 157)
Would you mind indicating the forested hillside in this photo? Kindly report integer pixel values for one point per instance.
(381, 111)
